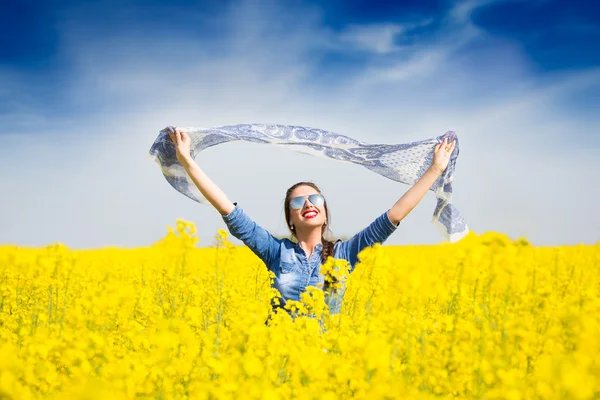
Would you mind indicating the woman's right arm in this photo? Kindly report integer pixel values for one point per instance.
(207, 187)
(259, 240)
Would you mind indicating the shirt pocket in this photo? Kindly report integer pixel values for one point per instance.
(288, 267)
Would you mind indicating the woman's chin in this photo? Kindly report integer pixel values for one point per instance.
(313, 224)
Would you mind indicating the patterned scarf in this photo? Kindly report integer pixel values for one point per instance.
(404, 163)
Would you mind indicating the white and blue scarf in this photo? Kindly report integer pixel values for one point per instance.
(404, 163)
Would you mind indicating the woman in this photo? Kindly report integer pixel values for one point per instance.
(297, 265)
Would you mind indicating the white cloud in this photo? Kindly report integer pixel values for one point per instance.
(526, 166)
(377, 38)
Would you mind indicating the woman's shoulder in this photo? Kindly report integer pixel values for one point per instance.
(286, 243)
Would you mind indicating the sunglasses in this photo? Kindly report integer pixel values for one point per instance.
(316, 199)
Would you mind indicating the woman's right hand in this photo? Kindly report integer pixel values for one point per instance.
(182, 144)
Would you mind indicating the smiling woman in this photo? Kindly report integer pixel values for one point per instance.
(297, 265)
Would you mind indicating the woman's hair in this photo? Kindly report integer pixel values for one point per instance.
(327, 245)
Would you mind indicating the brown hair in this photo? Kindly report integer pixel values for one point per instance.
(327, 245)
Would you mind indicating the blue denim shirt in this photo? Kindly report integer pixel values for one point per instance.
(294, 272)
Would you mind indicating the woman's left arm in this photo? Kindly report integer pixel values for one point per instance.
(380, 229)
(415, 194)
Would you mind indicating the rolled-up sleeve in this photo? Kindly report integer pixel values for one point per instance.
(258, 239)
(377, 232)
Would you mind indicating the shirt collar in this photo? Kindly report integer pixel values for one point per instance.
(319, 246)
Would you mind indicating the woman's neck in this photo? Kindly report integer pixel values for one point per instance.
(309, 239)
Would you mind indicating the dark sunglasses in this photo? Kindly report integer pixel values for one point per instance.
(316, 199)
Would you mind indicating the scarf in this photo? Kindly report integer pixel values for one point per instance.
(404, 163)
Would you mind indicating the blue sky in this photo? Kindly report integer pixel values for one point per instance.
(86, 86)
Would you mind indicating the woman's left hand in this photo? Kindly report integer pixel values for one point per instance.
(441, 155)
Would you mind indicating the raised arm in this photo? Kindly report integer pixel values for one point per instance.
(261, 242)
(207, 187)
(415, 194)
(380, 229)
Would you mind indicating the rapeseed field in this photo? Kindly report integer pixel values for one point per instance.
(483, 318)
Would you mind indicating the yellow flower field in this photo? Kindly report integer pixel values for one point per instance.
(482, 318)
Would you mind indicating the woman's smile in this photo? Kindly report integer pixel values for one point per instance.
(310, 214)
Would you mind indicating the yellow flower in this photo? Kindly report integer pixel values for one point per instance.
(483, 318)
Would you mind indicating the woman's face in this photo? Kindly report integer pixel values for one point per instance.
(309, 215)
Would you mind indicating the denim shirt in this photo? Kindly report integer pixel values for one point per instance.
(293, 270)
